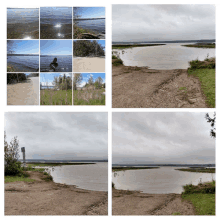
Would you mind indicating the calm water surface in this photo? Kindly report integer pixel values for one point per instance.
(97, 25)
(161, 180)
(90, 177)
(64, 63)
(24, 63)
(169, 56)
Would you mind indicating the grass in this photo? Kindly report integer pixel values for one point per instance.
(114, 57)
(10, 179)
(131, 168)
(199, 170)
(122, 46)
(202, 197)
(77, 32)
(205, 72)
(53, 97)
(200, 45)
(176, 213)
(182, 88)
(54, 164)
(89, 97)
(10, 68)
(116, 61)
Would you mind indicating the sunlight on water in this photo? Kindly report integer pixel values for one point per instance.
(57, 26)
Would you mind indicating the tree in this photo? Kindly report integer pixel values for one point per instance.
(10, 47)
(212, 122)
(98, 82)
(63, 82)
(11, 155)
(77, 80)
(90, 81)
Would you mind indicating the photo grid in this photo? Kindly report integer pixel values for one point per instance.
(150, 150)
(49, 51)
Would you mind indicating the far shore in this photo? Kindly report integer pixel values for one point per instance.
(124, 46)
(40, 196)
(55, 164)
(114, 169)
(201, 45)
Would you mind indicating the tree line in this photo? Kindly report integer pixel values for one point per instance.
(15, 77)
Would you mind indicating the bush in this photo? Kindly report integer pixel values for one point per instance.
(13, 168)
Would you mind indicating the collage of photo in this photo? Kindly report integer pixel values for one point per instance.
(49, 51)
(145, 145)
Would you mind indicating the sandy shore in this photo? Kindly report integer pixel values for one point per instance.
(140, 87)
(49, 198)
(135, 203)
(89, 64)
(24, 93)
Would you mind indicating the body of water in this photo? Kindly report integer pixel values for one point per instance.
(90, 177)
(24, 63)
(158, 181)
(64, 63)
(96, 25)
(169, 56)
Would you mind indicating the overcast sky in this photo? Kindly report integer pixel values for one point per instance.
(162, 138)
(71, 136)
(162, 22)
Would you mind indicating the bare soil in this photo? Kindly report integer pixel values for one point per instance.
(89, 64)
(140, 87)
(135, 203)
(49, 198)
(24, 93)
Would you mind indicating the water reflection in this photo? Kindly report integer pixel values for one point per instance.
(162, 180)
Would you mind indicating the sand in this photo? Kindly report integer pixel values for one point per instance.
(24, 93)
(49, 198)
(140, 87)
(135, 203)
(89, 64)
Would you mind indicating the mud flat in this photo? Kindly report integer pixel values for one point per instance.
(89, 64)
(126, 202)
(24, 93)
(48, 198)
(140, 87)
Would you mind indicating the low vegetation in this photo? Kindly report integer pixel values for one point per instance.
(202, 197)
(114, 169)
(54, 164)
(124, 46)
(89, 97)
(54, 97)
(201, 45)
(10, 179)
(199, 170)
(116, 61)
(205, 72)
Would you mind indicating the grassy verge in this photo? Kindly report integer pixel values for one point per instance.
(122, 46)
(131, 168)
(198, 170)
(116, 61)
(200, 45)
(54, 164)
(89, 97)
(77, 32)
(202, 197)
(205, 72)
(53, 97)
(10, 179)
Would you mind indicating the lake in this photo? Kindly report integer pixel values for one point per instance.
(64, 63)
(96, 25)
(169, 56)
(24, 63)
(90, 177)
(161, 180)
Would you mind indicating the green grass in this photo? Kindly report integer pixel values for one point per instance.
(117, 62)
(122, 46)
(131, 168)
(200, 45)
(182, 88)
(203, 203)
(199, 170)
(114, 57)
(89, 97)
(10, 179)
(207, 79)
(53, 97)
(176, 213)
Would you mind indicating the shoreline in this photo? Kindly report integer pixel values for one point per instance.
(50, 198)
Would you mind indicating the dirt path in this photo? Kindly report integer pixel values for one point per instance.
(25, 93)
(49, 198)
(89, 64)
(140, 87)
(135, 203)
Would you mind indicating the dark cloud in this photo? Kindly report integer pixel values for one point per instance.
(162, 138)
(60, 135)
(162, 22)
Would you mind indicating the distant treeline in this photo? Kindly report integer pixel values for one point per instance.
(87, 49)
(15, 77)
(33, 75)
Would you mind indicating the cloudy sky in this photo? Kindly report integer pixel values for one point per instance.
(71, 136)
(162, 138)
(162, 22)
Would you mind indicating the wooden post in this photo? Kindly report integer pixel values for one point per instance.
(23, 151)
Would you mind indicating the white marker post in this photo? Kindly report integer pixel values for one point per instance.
(23, 151)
